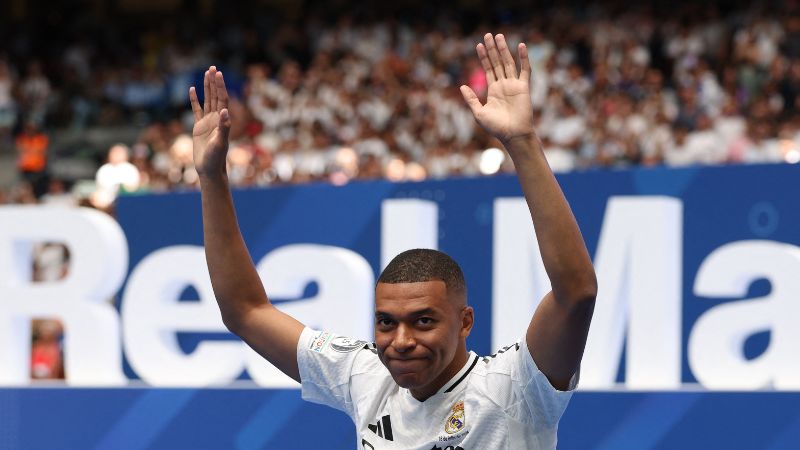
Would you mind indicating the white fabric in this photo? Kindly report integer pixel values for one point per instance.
(560, 159)
(567, 130)
(730, 128)
(111, 177)
(701, 147)
(766, 151)
(501, 402)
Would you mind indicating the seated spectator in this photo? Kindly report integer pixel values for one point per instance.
(761, 145)
(57, 195)
(700, 146)
(608, 87)
(8, 107)
(46, 350)
(32, 145)
(116, 175)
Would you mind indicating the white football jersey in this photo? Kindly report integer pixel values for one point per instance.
(502, 401)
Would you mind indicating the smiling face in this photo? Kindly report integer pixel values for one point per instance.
(420, 332)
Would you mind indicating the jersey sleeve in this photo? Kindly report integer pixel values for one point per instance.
(543, 401)
(326, 362)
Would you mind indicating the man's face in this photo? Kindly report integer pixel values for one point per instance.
(417, 332)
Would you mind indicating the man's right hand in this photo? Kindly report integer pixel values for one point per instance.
(212, 124)
(508, 112)
(243, 303)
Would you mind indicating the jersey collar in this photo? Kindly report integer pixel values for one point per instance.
(458, 378)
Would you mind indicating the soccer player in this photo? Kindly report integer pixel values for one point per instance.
(417, 386)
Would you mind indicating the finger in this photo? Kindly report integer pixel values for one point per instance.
(483, 56)
(524, 63)
(212, 76)
(505, 56)
(494, 56)
(222, 92)
(224, 124)
(206, 89)
(196, 109)
(471, 99)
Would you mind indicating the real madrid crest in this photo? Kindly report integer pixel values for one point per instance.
(457, 420)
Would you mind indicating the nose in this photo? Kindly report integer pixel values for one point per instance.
(403, 340)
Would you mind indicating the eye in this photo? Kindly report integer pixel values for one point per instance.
(425, 321)
(384, 322)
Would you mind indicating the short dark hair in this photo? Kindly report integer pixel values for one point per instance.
(424, 264)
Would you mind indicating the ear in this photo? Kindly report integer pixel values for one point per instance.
(467, 320)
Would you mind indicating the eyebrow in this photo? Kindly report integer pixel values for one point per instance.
(417, 313)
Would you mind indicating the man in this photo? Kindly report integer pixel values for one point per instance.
(32, 147)
(116, 175)
(417, 387)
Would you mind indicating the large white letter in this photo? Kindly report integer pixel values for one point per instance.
(638, 265)
(343, 304)
(716, 344)
(152, 315)
(98, 262)
(519, 280)
(407, 224)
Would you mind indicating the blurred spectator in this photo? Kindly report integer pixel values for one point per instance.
(759, 145)
(50, 263)
(730, 126)
(344, 97)
(8, 110)
(116, 175)
(699, 146)
(57, 195)
(35, 94)
(181, 162)
(46, 350)
(32, 145)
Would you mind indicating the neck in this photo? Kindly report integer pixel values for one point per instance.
(459, 359)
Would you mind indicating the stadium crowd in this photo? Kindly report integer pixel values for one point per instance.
(366, 96)
(379, 98)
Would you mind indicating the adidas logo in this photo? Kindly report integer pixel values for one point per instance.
(383, 428)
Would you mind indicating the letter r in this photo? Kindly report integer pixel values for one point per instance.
(99, 260)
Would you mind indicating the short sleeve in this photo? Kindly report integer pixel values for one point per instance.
(546, 403)
(326, 362)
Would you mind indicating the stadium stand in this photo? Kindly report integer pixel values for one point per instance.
(371, 94)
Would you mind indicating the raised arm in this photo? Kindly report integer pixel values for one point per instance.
(244, 305)
(557, 332)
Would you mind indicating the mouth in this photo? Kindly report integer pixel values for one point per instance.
(406, 365)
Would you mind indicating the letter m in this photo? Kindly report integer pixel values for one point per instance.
(638, 264)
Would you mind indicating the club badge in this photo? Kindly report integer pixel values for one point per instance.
(457, 420)
(344, 344)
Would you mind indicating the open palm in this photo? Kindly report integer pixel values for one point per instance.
(508, 112)
(212, 124)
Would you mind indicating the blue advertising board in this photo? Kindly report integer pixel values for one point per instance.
(719, 206)
(249, 419)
